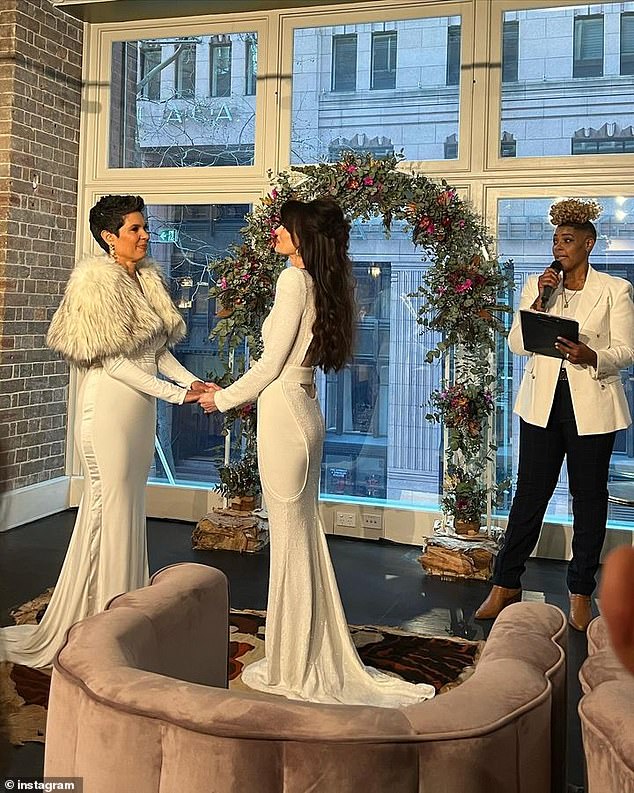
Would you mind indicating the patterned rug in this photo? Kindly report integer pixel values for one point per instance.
(442, 662)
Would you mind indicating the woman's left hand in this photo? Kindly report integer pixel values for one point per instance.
(207, 401)
(576, 353)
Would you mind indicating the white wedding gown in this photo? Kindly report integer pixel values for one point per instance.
(309, 651)
(107, 555)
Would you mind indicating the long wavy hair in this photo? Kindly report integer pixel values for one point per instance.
(321, 233)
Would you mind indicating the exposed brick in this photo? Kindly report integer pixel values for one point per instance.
(40, 82)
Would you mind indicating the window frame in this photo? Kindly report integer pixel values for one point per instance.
(351, 82)
(215, 47)
(389, 73)
(478, 172)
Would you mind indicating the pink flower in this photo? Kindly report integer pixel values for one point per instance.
(465, 286)
(274, 194)
(368, 180)
(351, 169)
(223, 283)
(426, 224)
(246, 277)
(461, 224)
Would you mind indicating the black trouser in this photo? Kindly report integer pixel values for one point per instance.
(541, 455)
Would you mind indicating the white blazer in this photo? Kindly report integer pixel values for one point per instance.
(605, 313)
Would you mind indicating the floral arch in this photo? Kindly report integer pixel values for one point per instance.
(460, 297)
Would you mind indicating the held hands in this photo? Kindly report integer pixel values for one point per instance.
(576, 353)
(198, 389)
(207, 399)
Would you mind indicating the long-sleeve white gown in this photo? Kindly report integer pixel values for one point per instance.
(309, 651)
(107, 555)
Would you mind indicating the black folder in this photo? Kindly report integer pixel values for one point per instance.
(540, 332)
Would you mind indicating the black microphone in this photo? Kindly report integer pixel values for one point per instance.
(548, 290)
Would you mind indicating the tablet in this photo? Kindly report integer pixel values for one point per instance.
(540, 332)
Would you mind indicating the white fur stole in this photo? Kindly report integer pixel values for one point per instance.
(103, 314)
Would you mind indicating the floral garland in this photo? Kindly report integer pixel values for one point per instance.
(460, 295)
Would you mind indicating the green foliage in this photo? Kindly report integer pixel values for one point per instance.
(461, 297)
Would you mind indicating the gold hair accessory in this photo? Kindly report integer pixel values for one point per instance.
(574, 210)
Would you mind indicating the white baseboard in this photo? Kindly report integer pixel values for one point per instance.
(34, 502)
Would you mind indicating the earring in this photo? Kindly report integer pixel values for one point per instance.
(113, 255)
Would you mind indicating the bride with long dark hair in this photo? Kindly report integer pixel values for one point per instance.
(309, 651)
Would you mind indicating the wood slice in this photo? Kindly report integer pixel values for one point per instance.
(230, 530)
(438, 559)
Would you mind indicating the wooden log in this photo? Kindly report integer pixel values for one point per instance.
(453, 556)
(230, 530)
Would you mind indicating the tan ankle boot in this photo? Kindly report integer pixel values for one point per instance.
(580, 612)
(499, 597)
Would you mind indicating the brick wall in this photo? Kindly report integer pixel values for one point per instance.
(40, 83)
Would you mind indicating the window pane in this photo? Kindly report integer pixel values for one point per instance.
(184, 239)
(220, 75)
(378, 442)
(525, 235)
(510, 51)
(627, 43)
(588, 46)
(173, 102)
(251, 66)
(150, 79)
(569, 86)
(344, 63)
(392, 102)
(453, 54)
(384, 60)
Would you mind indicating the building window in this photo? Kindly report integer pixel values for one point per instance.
(627, 43)
(220, 66)
(451, 147)
(150, 59)
(344, 62)
(453, 55)
(508, 145)
(250, 66)
(186, 71)
(510, 51)
(588, 46)
(384, 60)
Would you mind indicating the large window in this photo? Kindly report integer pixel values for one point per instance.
(627, 43)
(150, 60)
(185, 80)
(525, 235)
(380, 79)
(185, 239)
(220, 67)
(378, 443)
(588, 46)
(453, 54)
(384, 60)
(344, 62)
(179, 118)
(561, 73)
(402, 99)
(510, 51)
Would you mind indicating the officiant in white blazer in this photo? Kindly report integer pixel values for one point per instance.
(569, 406)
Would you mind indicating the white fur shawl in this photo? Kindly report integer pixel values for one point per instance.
(103, 314)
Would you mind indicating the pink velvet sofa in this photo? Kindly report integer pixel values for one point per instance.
(606, 710)
(139, 705)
